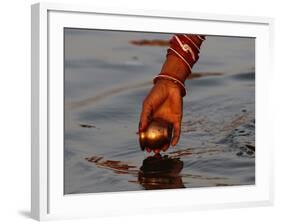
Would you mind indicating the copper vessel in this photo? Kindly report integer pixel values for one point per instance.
(157, 135)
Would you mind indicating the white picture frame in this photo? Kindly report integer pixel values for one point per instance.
(48, 201)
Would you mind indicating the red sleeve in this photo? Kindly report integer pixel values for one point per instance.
(186, 47)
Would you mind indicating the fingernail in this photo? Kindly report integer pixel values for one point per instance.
(156, 151)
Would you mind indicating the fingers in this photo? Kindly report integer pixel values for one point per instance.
(163, 104)
(145, 116)
(177, 111)
(150, 104)
(156, 151)
(176, 133)
(165, 147)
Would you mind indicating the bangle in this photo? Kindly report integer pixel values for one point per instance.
(176, 81)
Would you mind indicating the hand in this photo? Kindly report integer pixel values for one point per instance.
(163, 101)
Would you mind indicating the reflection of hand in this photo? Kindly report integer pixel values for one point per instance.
(164, 101)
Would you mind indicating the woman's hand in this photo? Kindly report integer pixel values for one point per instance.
(163, 101)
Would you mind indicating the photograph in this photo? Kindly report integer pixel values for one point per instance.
(152, 111)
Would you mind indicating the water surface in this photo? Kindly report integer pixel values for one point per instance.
(106, 80)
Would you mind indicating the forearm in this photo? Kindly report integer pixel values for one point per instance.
(175, 68)
(182, 54)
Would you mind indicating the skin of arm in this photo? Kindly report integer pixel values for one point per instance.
(164, 100)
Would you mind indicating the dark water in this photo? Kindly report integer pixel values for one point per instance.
(106, 79)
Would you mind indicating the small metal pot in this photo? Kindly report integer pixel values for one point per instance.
(157, 134)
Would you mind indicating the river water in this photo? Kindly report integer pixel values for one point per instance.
(106, 79)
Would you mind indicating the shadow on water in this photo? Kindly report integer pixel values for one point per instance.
(156, 172)
(159, 172)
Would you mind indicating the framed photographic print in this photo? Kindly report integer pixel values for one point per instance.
(148, 111)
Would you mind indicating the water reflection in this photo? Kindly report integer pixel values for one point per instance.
(159, 172)
(156, 172)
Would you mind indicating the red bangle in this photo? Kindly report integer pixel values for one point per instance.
(173, 79)
(186, 47)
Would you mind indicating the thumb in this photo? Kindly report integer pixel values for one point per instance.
(145, 116)
(176, 133)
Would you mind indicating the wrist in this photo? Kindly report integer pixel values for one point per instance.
(171, 81)
(168, 84)
(175, 68)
